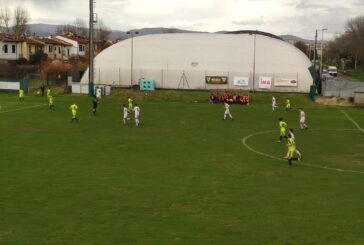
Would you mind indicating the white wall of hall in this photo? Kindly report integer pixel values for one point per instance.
(165, 57)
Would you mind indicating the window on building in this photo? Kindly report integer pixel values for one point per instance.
(13, 49)
(82, 48)
(59, 50)
(5, 48)
(50, 49)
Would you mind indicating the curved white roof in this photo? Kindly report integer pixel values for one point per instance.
(164, 57)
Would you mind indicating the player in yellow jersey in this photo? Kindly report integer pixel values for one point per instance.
(49, 92)
(288, 104)
(130, 104)
(50, 102)
(74, 109)
(291, 145)
(21, 95)
(282, 129)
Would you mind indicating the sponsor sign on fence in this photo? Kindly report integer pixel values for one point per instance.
(9, 86)
(241, 81)
(265, 82)
(282, 82)
(216, 79)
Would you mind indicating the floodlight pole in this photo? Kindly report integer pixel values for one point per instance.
(132, 59)
(254, 57)
(91, 51)
(322, 50)
(314, 51)
(132, 33)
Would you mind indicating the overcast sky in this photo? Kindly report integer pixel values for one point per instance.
(296, 17)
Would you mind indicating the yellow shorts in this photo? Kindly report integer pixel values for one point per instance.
(283, 132)
(290, 153)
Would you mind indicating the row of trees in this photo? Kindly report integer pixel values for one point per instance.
(348, 48)
(79, 27)
(20, 20)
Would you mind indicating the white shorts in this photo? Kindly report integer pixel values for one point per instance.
(136, 116)
(227, 112)
(302, 120)
(125, 116)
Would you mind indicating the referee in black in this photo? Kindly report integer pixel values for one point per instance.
(95, 101)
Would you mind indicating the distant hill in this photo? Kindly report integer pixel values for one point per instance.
(293, 39)
(48, 29)
(42, 29)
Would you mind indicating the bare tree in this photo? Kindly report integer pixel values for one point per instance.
(102, 34)
(78, 27)
(21, 19)
(301, 46)
(338, 49)
(5, 18)
(355, 32)
(64, 29)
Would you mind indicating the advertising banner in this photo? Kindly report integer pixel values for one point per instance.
(281, 82)
(216, 79)
(9, 86)
(241, 81)
(265, 82)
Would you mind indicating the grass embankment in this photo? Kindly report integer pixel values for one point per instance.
(357, 74)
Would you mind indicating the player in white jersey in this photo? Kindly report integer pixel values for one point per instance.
(290, 132)
(303, 119)
(227, 111)
(136, 110)
(125, 114)
(274, 103)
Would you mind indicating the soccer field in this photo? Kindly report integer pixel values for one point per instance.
(185, 176)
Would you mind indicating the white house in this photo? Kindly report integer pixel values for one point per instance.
(56, 48)
(79, 44)
(10, 47)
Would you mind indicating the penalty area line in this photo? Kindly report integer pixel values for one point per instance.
(244, 142)
(22, 108)
(353, 121)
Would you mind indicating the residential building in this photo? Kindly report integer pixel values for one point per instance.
(29, 47)
(10, 47)
(79, 44)
(56, 48)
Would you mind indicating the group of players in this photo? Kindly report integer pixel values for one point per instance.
(126, 111)
(291, 140)
(291, 143)
(74, 108)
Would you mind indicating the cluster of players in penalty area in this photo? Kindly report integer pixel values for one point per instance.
(127, 110)
(283, 126)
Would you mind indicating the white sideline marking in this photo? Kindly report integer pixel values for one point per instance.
(22, 108)
(353, 121)
(244, 142)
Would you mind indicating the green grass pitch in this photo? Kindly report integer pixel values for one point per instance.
(183, 177)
